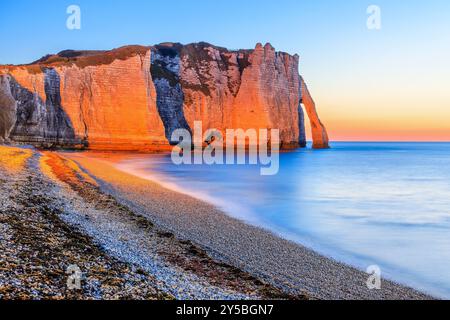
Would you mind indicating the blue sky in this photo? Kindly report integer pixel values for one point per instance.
(356, 74)
(311, 28)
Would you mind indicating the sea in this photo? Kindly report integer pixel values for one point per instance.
(361, 203)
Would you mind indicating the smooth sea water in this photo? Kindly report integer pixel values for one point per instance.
(385, 204)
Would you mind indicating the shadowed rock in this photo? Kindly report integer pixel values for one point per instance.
(319, 133)
(165, 70)
(8, 108)
(42, 122)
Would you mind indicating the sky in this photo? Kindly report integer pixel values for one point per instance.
(389, 84)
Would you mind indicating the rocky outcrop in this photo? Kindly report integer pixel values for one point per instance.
(135, 97)
(243, 89)
(319, 133)
(165, 71)
(42, 120)
(8, 109)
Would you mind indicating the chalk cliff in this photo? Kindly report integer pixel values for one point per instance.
(134, 97)
(7, 109)
(319, 133)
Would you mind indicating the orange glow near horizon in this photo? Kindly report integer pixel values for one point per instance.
(386, 107)
(378, 129)
(415, 129)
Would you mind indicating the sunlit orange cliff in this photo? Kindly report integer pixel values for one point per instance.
(134, 97)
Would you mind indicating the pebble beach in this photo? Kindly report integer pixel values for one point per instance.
(133, 239)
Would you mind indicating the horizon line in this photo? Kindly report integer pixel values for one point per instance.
(387, 141)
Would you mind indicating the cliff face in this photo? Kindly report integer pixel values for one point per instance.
(134, 97)
(242, 89)
(41, 118)
(319, 133)
(7, 108)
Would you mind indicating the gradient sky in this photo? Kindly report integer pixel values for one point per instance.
(390, 84)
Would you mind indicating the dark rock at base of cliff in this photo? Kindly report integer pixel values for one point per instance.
(43, 124)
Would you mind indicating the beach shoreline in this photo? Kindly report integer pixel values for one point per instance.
(190, 249)
(222, 236)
